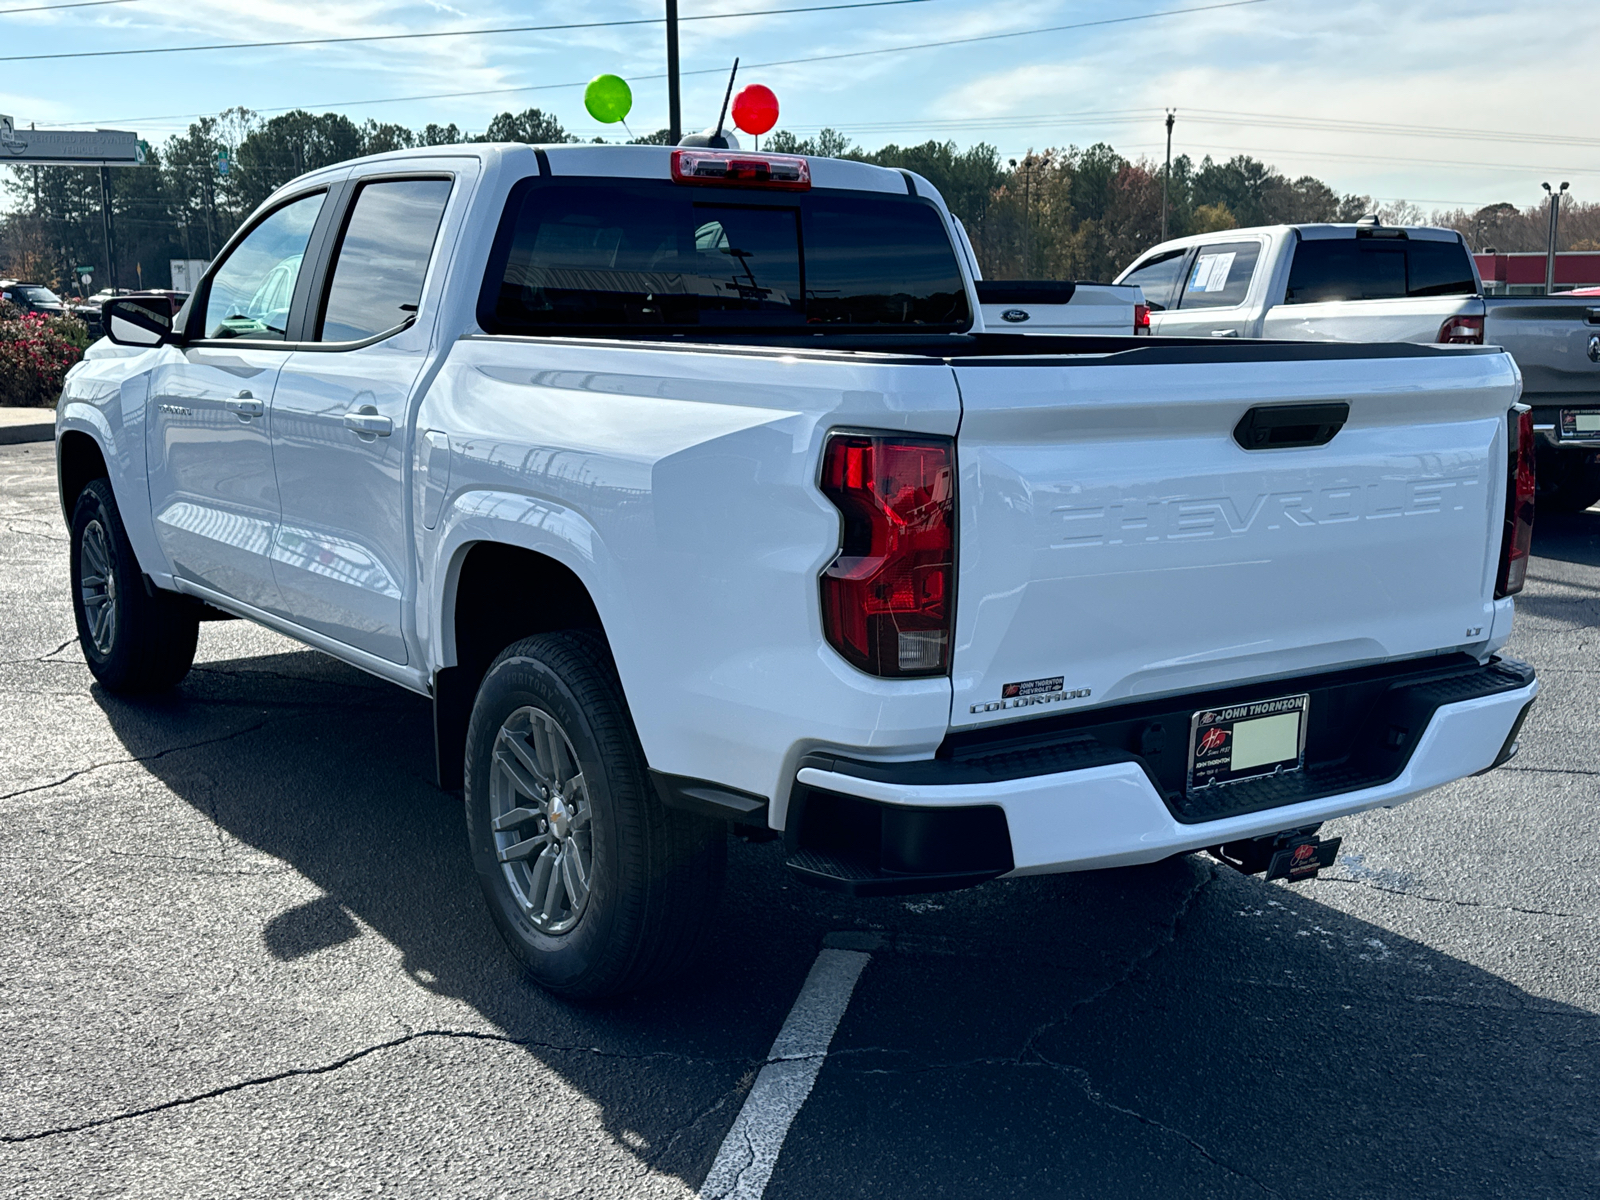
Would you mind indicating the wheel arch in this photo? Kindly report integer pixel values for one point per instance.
(476, 622)
(79, 459)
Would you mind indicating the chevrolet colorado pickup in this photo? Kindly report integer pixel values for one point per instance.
(679, 481)
(1370, 282)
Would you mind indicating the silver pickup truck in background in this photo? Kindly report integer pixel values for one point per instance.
(1370, 282)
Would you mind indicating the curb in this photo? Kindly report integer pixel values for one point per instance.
(17, 435)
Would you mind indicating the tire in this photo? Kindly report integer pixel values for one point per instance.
(630, 908)
(135, 640)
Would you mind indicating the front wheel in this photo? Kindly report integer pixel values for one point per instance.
(596, 887)
(134, 640)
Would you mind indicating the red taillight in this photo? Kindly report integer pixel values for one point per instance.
(782, 172)
(887, 599)
(1141, 318)
(1462, 331)
(1517, 541)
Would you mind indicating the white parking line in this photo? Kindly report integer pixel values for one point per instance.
(750, 1151)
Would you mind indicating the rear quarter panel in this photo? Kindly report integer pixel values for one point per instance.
(679, 485)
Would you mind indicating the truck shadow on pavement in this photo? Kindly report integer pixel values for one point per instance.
(1159, 1031)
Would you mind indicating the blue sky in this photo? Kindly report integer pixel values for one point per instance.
(1312, 87)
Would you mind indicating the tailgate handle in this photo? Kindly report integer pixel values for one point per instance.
(1594, 316)
(1286, 426)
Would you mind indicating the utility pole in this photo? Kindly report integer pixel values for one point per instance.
(1550, 252)
(1166, 176)
(674, 106)
(105, 221)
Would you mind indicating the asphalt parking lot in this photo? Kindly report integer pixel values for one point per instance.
(242, 953)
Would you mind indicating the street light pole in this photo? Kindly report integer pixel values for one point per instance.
(674, 107)
(1167, 174)
(1550, 251)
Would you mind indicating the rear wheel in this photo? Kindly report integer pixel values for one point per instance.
(596, 887)
(133, 640)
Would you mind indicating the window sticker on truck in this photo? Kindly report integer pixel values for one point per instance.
(1211, 272)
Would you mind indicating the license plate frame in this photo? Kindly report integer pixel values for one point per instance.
(1579, 424)
(1216, 738)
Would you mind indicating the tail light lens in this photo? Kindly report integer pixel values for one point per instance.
(887, 599)
(781, 172)
(1462, 331)
(1517, 541)
(1141, 318)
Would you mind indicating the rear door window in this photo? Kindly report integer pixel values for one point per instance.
(383, 257)
(1158, 276)
(1358, 268)
(647, 255)
(1219, 276)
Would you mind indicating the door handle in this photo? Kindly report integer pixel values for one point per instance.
(1224, 333)
(367, 422)
(245, 405)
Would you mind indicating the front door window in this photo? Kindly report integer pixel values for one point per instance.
(252, 291)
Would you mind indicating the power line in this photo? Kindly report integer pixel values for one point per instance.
(52, 7)
(449, 33)
(784, 62)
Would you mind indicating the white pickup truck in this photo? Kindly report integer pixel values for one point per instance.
(1370, 282)
(677, 480)
(1057, 307)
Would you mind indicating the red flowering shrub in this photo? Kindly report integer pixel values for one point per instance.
(35, 352)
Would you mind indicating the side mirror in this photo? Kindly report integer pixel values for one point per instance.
(142, 321)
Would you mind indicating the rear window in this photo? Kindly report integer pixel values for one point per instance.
(646, 255)
(1378, 269)
(1220, 275)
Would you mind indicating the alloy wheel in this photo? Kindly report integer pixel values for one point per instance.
(97, 586)
(540, 813)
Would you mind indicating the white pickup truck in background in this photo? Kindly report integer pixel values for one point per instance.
(1047, 306)
(681, 483)
(1370, 282)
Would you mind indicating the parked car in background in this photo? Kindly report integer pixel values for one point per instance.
(1370, 282)
(32, 297)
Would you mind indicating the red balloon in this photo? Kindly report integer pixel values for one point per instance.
(755, 109)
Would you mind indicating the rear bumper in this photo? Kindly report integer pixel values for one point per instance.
(1116, 814)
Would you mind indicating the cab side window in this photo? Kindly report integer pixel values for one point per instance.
(252, 290)
(383, 258)
(1220, 275)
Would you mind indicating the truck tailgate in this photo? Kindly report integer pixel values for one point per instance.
(1116, 541)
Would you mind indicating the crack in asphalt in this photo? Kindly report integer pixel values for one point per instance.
(1096, 1098)
(355, 1056)
(140, 758)
(35, 533)
(46, 657)
(1532, 912)
(1168, 937)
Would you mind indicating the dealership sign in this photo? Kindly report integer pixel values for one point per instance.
(69, 147)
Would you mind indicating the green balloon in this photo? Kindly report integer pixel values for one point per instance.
(608, 98)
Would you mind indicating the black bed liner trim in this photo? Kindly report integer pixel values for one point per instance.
(1365, 725)
(1025, 291)
(995, 349)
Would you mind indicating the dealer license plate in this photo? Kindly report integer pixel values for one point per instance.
(1247, 741)
(1580, 422)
